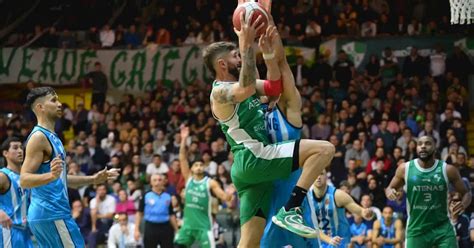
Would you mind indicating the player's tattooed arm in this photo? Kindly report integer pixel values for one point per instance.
(223, 94)
(248, 75)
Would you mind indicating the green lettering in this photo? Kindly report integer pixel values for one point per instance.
(117, 82)
(50, 56)
(25, 71)
(151, 85)
(85, 56)
(5, 69)
(172, 54)
(189, 80)
(65, 75)
(139, 62)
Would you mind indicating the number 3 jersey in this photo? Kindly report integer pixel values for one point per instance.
(427, 194)
(197, 206)
(324, 214)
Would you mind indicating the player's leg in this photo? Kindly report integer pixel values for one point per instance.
(251, 232)
(21, 238)
(313, 157)
(445, 236)
(418, 242)
(183, 238)
(205, 238)
(56, 234)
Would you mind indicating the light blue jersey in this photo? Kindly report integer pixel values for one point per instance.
(279, 129)
(50, 201)
(15, 204)
(49, 214)
(387, 232)
(359, 230)
(331, 219)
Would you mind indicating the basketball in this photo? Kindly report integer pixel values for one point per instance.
(248, 8)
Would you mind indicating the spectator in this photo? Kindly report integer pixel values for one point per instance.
(107, 37)
(414, 28)
(102, 214)
(125, 205)
(437, 62)
(156, 167)
(82, 217)
(358, 153)
(99, 82)
(121, 234)
(131, 38)
(343, 69)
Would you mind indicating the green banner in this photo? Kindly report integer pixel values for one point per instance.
(360, 50)
(131, 70)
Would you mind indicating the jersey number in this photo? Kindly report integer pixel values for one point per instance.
(324, 225)
(426, 197)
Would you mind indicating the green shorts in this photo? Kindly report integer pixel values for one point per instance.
(441, 237)
(187, 237)
(254, 170)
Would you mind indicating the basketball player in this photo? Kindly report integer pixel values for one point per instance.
(283, 123)
(44, 172)
(197, 220)
(387, 232)
(426, 181)
(13, 199)
(236, 105)
(326, 206)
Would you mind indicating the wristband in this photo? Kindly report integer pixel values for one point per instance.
(273, 88)
(267, 56)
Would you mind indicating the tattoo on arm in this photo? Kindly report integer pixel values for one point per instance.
(223, 94)
(248, 74)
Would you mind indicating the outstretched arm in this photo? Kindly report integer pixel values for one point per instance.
(100, 177)
(183, 154)
(345, 200)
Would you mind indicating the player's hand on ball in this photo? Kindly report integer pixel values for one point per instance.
(266, 41)
(336, 241)
(248, 30)
(56, 167)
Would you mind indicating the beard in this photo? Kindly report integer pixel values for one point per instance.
(426, 157)
(234, 71)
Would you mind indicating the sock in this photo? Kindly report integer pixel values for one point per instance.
(296, 198)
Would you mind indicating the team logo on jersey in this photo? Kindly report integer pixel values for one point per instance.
(437, 177)
(151, 202)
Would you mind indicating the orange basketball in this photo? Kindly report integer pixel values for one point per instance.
(248, 8)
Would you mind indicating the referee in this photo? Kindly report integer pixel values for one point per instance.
(160, 222)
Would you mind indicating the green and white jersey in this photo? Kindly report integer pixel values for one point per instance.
(427, 197)
(197, 204)
(246, 126)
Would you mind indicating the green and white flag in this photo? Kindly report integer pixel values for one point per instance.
(356, 51)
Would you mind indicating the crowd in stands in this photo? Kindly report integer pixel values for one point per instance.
(176, 23)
